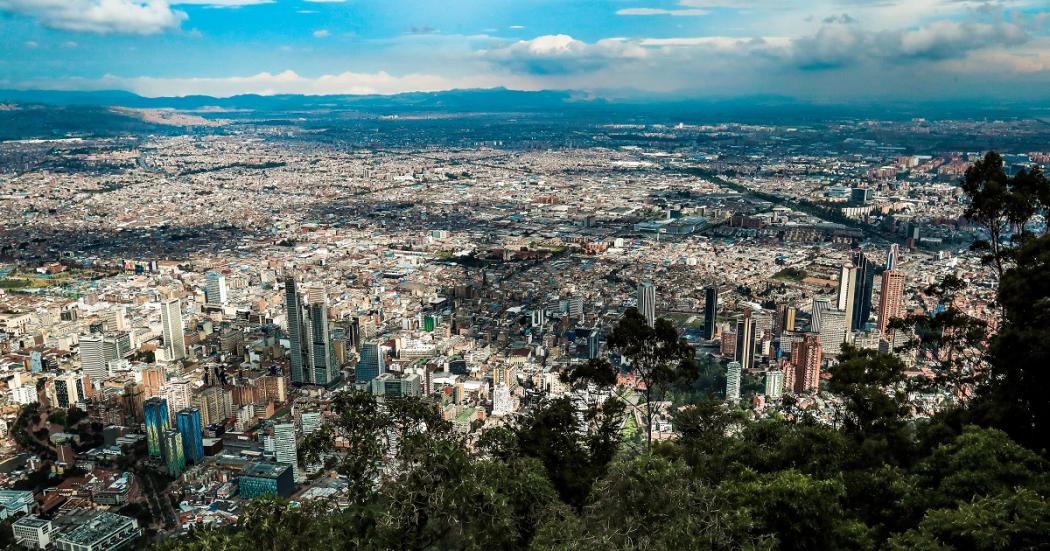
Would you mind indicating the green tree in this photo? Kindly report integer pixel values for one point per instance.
(656, 355)
(1014, 520)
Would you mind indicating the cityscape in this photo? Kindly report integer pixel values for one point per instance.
(519, 308)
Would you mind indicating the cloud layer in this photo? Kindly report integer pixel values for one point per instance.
(100, 16)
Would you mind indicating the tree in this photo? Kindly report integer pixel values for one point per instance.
(655, 355)
(999, 204)
(652, 503)
(951, 339)
(872, 387)
(1015, 398)
(1013, 520)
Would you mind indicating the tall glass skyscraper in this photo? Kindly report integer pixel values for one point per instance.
(171, 322)
(156, 413)
(188, 422)
(172, 452)
(710, 311)
(293, 303)
(371, 364)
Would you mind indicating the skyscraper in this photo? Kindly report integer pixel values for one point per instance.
(865, 284)
(285, 450)
(371, 364)
(745, 341)
(171, 322)
(156, 413)
(96, 351)
(893, 256)
(710, 311)
(215, 292)
(847, 292)
(647, 302)
(891, 301)
(296, 329)
(774, 384)
(733, 381)
(324, 369)
(188, 422)
(806, 356)
(172, 452)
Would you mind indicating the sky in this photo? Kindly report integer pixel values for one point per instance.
(821, 50)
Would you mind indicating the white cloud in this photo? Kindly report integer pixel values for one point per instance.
(688, 12)
(321, 33)
(100, 16)
(325, 1)
(562, 54)
(287, 82)
(31, 44)
(222, 3)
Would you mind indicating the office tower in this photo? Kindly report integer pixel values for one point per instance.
(133, 400)
(215, 404)
(733, 382)
(891, 301)
(68, 390)
(284, 446)
(806, 356)
(296, 331)
(371, 364)
(593, 343)
(745, 341)
(647, 302)
(820, 307)
(172, 453)
(153, 379)
(847, 292)
(171, 321)
(324, 369)
(893, 256)
(215, 291)
(179, 394)
(156, 413)
(774, 384)
(833, 331)
(710, 311)
(96, 351)
(787, 320)
(576, 308)
(311, 421)
(188, 422)
(113, 319)
(865, 284)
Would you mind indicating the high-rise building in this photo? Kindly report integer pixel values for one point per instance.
(188, 422)
(172, 452)
(296, 332)
(733, 373)
(806, 356)
(215, 292)
(68, 390)
(324, 369)
(593, 344)
(156, 412)
(745, 341)
(96, 351)
(171, 322)
(785, 318)
(774, 384)
(833, 331)
(865, 284)
(891, 301)
(153, 379)
(710, 311)
(285, 450)
(371, 364)
(893, 256)
(647, 302)
(847, 292)
(179, 393)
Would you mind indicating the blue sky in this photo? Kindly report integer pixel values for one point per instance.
(830, 50)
